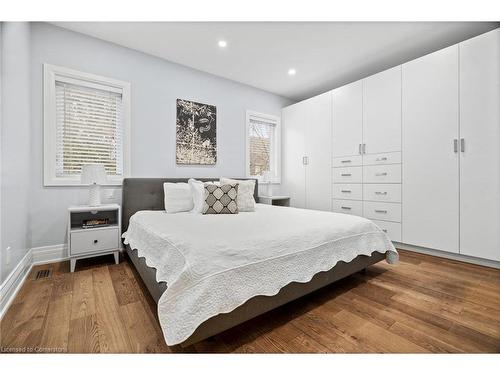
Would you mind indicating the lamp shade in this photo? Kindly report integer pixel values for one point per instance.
(93, 174)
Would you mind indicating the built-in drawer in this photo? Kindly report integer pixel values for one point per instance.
(348, 161)
(382, 192)
(348, 191)
(382, 211)
(348, 175)
(94, 240)
(382, 173)
(385, 158)
(347, 207)
(393, 230)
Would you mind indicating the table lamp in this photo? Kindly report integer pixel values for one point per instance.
(94, 175)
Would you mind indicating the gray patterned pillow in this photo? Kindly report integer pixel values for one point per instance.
(220, 199)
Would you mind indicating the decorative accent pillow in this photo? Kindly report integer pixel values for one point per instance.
(245, 200)
(178, 197)
(220, 199)
(198, 192)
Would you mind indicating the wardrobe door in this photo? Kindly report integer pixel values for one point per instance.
(347, 119)
(480, 156)
(293, 172)
(430, 163)
(318, 134)
(382, 112)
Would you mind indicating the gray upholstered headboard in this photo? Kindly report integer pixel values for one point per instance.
(147, 194)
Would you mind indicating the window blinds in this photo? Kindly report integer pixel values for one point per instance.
(89, 123)
(261, 142)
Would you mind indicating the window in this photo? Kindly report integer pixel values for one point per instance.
(263, 147)
(86, 120)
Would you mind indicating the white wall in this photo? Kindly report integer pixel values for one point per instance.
(156, 84)
(16, 155)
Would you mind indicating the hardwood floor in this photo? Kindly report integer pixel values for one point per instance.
(422, 304)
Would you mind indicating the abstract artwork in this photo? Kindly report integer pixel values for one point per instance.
(196, 130)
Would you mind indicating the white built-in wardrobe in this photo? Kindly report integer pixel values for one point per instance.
(415, 148)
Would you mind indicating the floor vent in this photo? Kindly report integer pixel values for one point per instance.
(43, 274)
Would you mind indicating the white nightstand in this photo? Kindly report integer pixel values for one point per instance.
(275, 200)
(87, 242)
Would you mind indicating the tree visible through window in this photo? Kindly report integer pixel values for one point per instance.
(263, 145)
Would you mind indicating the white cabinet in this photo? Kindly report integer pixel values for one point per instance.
(430, 163)
(307, 161)
(367, 148)
(382, 112)
(347, 119)
(318, 135)
(480, 156)
(293, 174)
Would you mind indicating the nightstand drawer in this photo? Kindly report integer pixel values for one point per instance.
(94, 240)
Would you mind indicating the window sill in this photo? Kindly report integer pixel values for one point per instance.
(77, 183)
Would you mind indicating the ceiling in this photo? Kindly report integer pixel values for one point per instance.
(325, 54)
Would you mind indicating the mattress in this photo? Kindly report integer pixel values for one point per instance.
(214, 263)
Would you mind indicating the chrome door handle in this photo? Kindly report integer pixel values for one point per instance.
(345, 161)
(381, 159)
(462, 144)
(381, 193)
(345, 208)
(359, 150)
(345, 191)
(381, 174)
(381, 211)
(346, 174)
(455, 146)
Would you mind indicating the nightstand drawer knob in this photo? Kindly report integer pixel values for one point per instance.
(95, 241)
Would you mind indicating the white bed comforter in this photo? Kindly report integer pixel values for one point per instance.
(214, 263)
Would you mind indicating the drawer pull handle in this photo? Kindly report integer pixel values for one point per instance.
(381, 192)
(345, 161)
(95, 241)
(381, 211)
(345, 208)
(381, 159)
(345, 191)
(381, 174)
(346, 174)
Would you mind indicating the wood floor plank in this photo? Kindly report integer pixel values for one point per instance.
(125, 292)
(83, 303)
(142, 334)
(56, 327)
(422, 304)
(84, 335)
(112, 333)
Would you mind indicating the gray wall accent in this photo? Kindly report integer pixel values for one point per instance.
(16, 155)
(156, 84)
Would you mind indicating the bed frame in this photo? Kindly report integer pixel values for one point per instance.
(147, 194)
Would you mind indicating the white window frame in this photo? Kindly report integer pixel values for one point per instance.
(276, 151)
(51, 74)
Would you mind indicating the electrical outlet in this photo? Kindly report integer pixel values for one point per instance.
(110, 194)
(7, 255)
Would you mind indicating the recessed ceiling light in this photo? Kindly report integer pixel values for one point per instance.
(291, 72)
(222, 44)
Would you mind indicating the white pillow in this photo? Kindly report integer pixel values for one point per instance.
(245, 199)
(198, 194)
(178, 197)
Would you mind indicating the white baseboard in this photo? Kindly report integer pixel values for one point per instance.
(12, 284)
(444, 254)
(49, 254)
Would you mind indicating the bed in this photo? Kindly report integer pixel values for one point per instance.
(209, 273)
